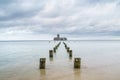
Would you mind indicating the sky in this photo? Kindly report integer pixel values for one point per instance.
(74, 19)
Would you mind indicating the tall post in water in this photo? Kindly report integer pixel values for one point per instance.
(68, 48)
(50, 53)
(77, 63)
(70, 53)
(54, 50)
(42, 63)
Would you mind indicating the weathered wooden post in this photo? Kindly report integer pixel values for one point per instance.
(68, 48)
(56, 47)
(54, 50)
(70, 53)
(77, 62)
(50, 53)
(65, 45)
(42, 63)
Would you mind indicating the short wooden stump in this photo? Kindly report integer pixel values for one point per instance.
(42, 63)
(77, 63)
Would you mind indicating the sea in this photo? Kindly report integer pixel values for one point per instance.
(20, 60)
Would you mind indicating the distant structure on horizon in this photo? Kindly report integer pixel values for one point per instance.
(58, 38)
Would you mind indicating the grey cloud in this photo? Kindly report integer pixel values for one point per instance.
(4, 3)
(18, 15)
(14, 10)
(74, 17)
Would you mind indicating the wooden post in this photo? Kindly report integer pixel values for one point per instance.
(50, 53)
(70, 53)
(77, 62)
(54, 50)
(56, 47)
(68, 48)
(42, 63)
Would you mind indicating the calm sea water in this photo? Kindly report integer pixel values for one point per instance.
(19, 60)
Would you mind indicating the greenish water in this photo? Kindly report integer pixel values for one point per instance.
(19, 60)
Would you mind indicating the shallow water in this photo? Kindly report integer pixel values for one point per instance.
(19, 60)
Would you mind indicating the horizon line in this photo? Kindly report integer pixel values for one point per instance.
(67, 40)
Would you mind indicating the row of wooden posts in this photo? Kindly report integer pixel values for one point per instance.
(54, 50)
(43, 60)
(68, 49)
(77, 61)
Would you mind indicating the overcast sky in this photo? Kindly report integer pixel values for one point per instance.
(43, 19)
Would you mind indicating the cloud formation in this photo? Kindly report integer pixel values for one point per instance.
(42, 19)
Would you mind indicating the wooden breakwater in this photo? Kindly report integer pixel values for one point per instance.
(77, 61)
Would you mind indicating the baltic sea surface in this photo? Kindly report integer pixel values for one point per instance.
(100, 60)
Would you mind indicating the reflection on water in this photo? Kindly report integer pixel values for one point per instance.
(42, 72)
(51, 59)
(70, 58)
(20, 60)
(77, 74)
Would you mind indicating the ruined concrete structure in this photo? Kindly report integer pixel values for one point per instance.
(58, 38)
